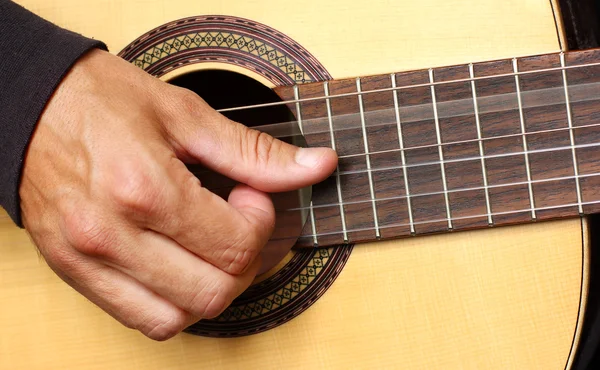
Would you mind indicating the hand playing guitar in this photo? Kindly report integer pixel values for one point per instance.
(113, 209)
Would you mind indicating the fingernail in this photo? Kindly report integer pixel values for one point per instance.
(309, 157)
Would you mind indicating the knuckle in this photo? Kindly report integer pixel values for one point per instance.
(242, 250)
(209, 302)
(62, 260)
(189, 102)
(250, 241)
(241, 259)
(135, 189)
(261, 147)
(164, 327)
(88, 234)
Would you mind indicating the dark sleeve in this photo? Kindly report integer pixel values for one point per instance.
(34, 57)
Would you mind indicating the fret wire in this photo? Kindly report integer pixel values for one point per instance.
(298, 114)
(440, 150)
(488, 206)
(313, 224)
(583, 94)
(507, 136)
(458, 190)
(571, 134)
(310, 208)
(522, 120)
(469, 140)
(367, 157)
(458, 160)
(337, 179)
(402, 155)
(321, 98)
(467, 159)
(504, 213)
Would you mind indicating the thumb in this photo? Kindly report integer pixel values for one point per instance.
(252, 157)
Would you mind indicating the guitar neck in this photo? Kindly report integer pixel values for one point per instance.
(453, 148)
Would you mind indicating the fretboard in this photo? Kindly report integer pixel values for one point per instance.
(453, 148)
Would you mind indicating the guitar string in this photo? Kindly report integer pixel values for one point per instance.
(470, 141)
(450, 191)
(428, 84)
(446, 109)
(443, 220)
(455, 160)
(476, 158)
(458, 142)
(451, 143)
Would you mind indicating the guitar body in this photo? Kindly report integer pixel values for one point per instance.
(500, 298)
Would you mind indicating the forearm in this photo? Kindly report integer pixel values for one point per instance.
(34, 57)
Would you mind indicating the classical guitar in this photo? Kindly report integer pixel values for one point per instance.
(453, 234)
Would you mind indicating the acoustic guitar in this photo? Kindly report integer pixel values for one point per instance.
(453, 234)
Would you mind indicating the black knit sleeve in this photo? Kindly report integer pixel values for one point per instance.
(34, 57)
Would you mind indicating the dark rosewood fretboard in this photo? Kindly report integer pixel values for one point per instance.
(402, 172)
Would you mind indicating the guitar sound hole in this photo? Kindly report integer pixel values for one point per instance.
(224, 89)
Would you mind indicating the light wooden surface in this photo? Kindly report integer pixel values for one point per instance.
(349, 38)
(504, 298)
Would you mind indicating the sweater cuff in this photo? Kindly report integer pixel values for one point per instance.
(35, 55)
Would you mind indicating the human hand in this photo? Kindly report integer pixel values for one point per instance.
(109, 202)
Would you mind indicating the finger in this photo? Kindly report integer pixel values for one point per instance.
(243, 154)
(228, 234)
(256, 207)
(123, 297)
(177, 206)
(160, 264)
(232, 233)
(180, 276)
(238, 230)
(157, 262)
